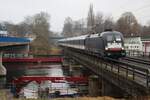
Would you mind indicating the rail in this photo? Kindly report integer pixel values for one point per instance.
(120, 70)
(137, 53)
(138, 60)
(135, 71)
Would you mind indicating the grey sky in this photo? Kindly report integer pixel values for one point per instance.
(16, 10)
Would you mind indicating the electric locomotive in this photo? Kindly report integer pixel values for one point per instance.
(107, 44)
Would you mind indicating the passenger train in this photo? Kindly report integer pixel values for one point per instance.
(105, 44)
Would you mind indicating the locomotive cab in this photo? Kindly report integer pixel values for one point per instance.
(114, 44)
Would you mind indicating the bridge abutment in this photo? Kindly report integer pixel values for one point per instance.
(94, 87)
(3, 71)
(99, 87)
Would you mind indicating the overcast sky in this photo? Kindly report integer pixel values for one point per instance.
(16, 10)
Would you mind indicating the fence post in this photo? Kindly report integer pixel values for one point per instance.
(133, 75)
(127, 73)
(106, 66)
(147, 78)
(118, 71)
(111, 67)
(143, 54)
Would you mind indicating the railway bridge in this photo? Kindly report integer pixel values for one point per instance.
(8, 43)
(131, 78)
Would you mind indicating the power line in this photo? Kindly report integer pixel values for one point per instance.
(136, 10)
(143, 7)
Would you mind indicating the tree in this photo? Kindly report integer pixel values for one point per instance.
(68, 27)
(90, 19)
(79, 27)
(11, 28)
(108, 23)
(145, 30)
(99, 22)
(40, 26)
(128, 24)
(74, 28)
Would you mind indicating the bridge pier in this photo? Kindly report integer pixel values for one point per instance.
(94, 87)
(109, 89)
(2, 68)
(99, 87)
(73, 68)
(2, 73)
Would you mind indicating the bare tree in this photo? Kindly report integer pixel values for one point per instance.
(99, 21)
(79, 27)
(90, 18)
(145, 30)
(108, 23)
(74, 28)
(39, 26)
(128, 24)
(68, 27)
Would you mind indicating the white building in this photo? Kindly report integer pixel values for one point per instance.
(133, 43)
(141, 44)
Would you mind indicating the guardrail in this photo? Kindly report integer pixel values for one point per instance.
(120, 70)
(133, 72)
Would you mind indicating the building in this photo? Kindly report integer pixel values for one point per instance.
(146, 44)
(133, 43)
(139, 44)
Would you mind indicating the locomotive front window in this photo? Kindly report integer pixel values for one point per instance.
(109, 38)
(117, 37)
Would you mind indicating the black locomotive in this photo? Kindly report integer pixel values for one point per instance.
(108, 44)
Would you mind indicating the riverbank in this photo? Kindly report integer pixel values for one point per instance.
(89, 98)
(6, 95)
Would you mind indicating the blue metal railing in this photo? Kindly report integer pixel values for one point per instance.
(14, 39)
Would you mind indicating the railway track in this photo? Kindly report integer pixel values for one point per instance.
(140, 63)
(137, 60)
(122, 73)
(134, 67)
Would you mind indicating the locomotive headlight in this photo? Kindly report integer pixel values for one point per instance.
(122, 48)
(106, 48)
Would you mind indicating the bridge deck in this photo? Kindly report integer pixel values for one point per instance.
(9, 41)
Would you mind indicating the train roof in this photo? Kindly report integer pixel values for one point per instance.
(82, 37)
(94, 35)
(101, 34)
(110, 32)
